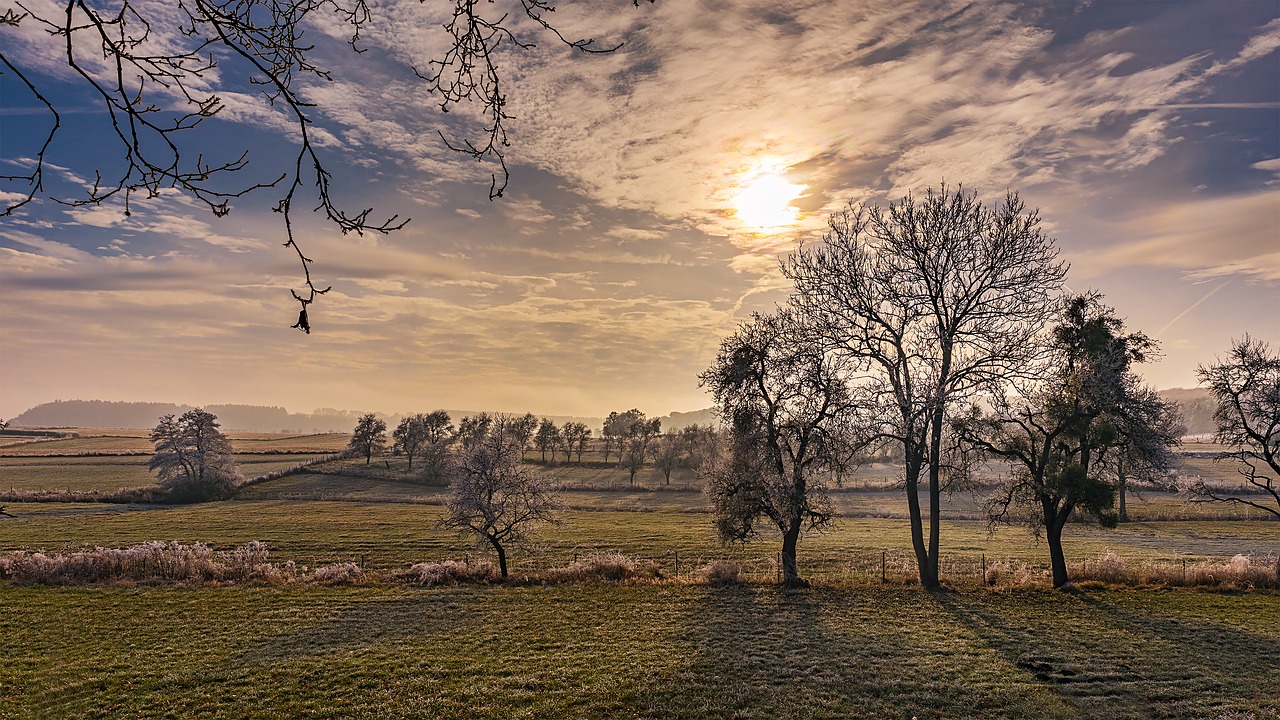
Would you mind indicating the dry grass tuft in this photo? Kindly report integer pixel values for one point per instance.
(150, 562)
(1240, 572)
(171, 562)
(613, 567)
(719, 572)
(448, 572)
(346, 573)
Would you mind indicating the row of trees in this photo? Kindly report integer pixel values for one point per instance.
(941, 328)
(629, 437)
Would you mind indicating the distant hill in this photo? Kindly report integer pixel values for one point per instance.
(258, 418)
(247, 418)
(1196, 405)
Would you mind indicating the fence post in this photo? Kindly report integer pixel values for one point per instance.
(883, 553)
(1184, 571)
(984, 569)
(676, 553)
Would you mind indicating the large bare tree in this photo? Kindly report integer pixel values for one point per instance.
(938, 298)
(1246, 386)
(158, 70)
(789, 412)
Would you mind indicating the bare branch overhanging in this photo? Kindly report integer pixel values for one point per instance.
(152, 95)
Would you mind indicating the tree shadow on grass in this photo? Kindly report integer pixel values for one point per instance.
(761, 652)
(1111, 663)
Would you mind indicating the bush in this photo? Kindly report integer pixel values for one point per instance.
(613, 567)
(155, 562)
(338, 574)
(448, 572)
(719, 572)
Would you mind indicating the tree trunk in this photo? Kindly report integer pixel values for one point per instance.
(1053, 532)
(912, 476)
(790, 571)
(502, 556)
(410, 463)
(930, 579)
(1122, 486)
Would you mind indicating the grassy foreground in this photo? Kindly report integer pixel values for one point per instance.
(646, 651)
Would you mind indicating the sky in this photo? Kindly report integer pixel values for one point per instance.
(652, 192)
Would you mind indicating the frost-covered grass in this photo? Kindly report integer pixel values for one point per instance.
(392, 536)
(626, 651)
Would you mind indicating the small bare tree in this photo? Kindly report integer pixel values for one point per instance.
(411, 436)
(369, 437)
(576, 435)
(1246, 386)
(668, 449)
(789, 410)
(435, 451)
(194, 460)
(523, 429)
(548, 438)
(494, 497)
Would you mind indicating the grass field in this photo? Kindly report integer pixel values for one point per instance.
(848, 647)
(109, 473)
(391, 535)
(664, 651)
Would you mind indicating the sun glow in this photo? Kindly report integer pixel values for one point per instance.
(766, 201)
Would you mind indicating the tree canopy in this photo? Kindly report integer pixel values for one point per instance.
(934, 299)
(193, 458)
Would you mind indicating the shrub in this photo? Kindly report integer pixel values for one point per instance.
(613, 566)
(338, 574)
(155, 562)
(448, 572)
(719, 572)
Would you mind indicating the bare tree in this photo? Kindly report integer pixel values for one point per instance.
(156, 70)
(411, 436)
(668, 449)
(369, 437)
(193, 458)
(784, 399)
(937, 299)
(494, 498)
(1246, 386)
(702, 445)
(523, 429)
(548, 438)
(633, 433)
(472, 430)
(439, 436)
(1060, 433)
(1149, 431)
(610, 437)
(576, 435)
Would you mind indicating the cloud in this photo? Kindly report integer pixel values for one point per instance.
(1212, 237)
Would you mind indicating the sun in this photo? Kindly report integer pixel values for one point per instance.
(766, 201)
